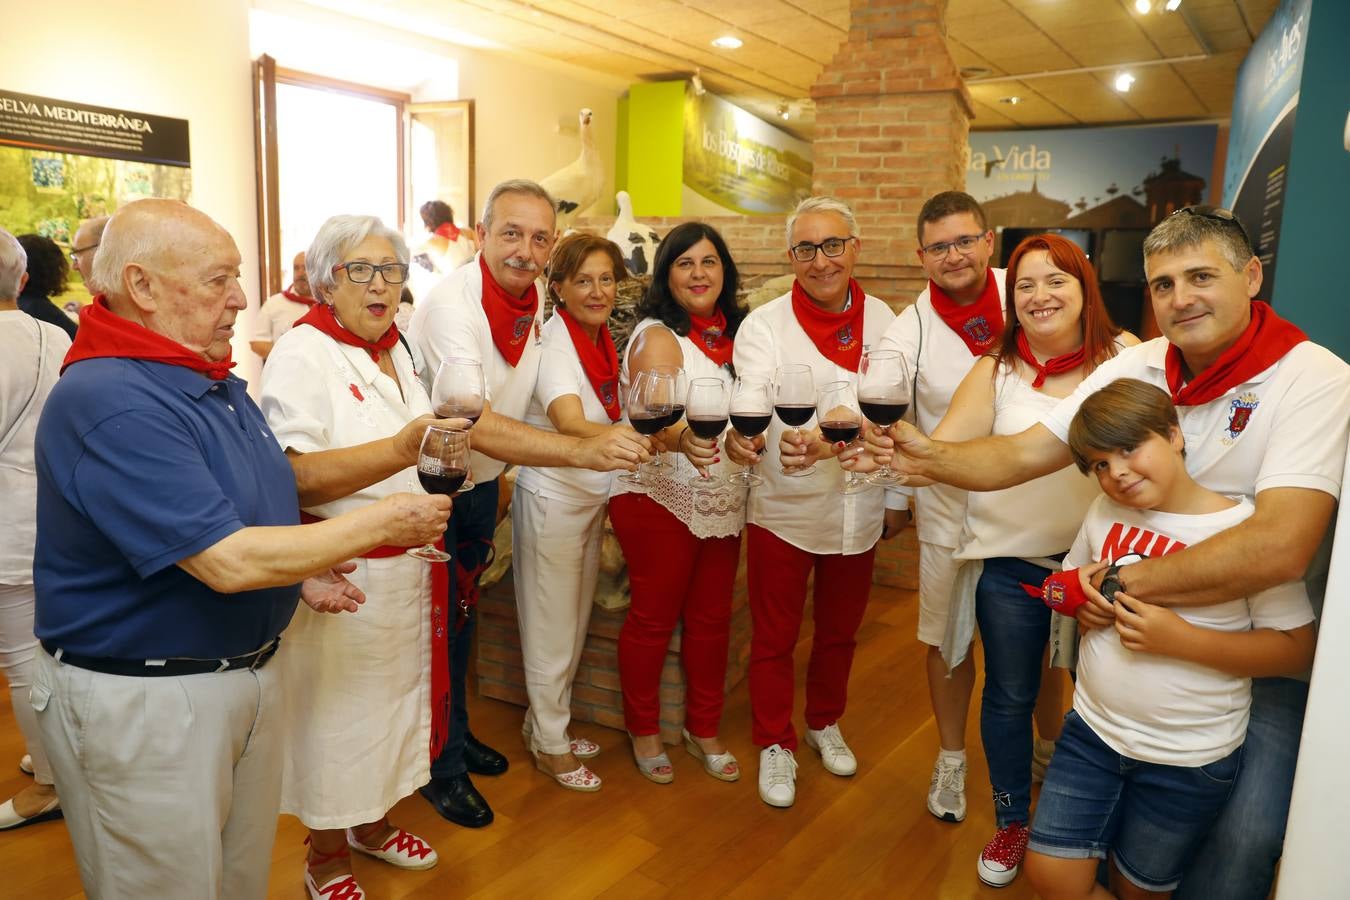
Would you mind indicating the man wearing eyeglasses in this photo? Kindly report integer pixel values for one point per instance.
(957, 318)
(489, 311)
(1263, 411)
(82, 248)
(280, 311)
(800, 521)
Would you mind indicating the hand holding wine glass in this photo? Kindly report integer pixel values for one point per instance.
(707, 413)
(442, 466)
(841, 424)
(795, 404)
(884, 391)
(651, 401)
(459, 392)
(751, 410)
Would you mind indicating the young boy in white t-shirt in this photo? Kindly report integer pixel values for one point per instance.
(1151, 749)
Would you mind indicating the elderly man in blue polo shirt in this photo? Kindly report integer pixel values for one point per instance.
(168, 561)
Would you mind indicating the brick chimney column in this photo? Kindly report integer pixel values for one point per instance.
(892, 119)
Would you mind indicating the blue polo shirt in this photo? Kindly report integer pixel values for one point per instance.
(140, 465)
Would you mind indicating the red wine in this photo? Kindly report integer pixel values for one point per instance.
(750, 425)
(676, 414)
(708, 427)
(883, 412)
(447, 482)
(837, 430)
(795, 415)
(648, 423)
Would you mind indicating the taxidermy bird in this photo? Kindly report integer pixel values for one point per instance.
(576, 187)
(636, 241)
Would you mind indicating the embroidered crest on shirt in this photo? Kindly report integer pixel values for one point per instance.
(978, 329)
(1239, 414)
(846, 338)
(356, 392)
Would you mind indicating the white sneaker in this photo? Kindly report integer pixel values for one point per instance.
(947, 790)
(777, 776)
(834, 753)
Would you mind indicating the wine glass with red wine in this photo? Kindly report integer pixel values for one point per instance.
(651, 401)
(707, 414)
(751, 411)
(795, 404)
(458, 393)
(442, 466)
(841, 421)
(662, 465)
(884, 395)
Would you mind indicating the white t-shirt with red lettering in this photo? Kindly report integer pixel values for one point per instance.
(1156, 708)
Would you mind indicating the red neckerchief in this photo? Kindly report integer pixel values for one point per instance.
(710, 336)
(321, 316)
(440, 636)
(448, 230)
(838, 336)
(508, 317)
(1265, 341)
(599, 360)
(104, 334)
(1055, 365)
(297, 298)
(980, 324)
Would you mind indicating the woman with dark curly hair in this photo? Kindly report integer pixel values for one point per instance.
(47, 271)
(682, 543)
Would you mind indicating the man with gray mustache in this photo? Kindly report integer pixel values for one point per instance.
(489, 310)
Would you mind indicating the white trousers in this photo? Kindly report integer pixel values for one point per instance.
(17, 646)
(170, 785)
(555, 559)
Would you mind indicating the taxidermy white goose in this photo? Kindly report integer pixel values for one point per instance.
(576, 187)
(636, 241)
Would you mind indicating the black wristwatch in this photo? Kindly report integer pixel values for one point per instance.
(1111, 584)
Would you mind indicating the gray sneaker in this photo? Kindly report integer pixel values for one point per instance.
(947, 790)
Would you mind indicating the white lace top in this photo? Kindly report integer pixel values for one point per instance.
(706, 512)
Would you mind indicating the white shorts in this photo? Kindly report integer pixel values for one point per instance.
(937, 573)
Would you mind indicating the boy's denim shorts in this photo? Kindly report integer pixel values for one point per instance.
(1150, 817)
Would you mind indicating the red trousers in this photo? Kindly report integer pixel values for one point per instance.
(673, 575)
(777, 573)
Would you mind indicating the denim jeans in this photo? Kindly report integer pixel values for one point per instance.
(1237, 860)
(473, 520)
(1014, 628)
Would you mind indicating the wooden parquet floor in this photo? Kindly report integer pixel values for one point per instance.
(866, 836)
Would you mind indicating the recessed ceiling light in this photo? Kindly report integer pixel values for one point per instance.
(1173, 5)
(1143, 6)
(1013, 100)
(727, 42)
(1123, 82)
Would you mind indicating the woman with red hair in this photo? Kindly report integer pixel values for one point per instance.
(1059, 331)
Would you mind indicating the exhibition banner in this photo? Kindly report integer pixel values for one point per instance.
(739, 162)
(62, 162)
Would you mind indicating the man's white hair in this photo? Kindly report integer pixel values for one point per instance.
(823, 205)
(123, 244)
(13, 265)
(337, 237)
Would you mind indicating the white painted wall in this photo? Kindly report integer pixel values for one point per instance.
(188, 60)
(1313, 841)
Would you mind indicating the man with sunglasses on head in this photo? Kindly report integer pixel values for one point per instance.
(489, 311)
(1263, 412)
(955, 321)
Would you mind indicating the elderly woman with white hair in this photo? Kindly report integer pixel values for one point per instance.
(345, 401)
(32, 351)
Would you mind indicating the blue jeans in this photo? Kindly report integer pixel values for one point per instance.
(1237, 860)
(1014, 628)
(1148, 816)
(473, 520)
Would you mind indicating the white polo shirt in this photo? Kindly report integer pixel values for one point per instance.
(808, 512)
(450, 321)
(940, 359)
(276, 317)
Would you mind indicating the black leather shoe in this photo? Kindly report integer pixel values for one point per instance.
(480, 759)
(458, 801)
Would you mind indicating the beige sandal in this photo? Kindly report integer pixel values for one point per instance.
(715, 764)
(648, 765)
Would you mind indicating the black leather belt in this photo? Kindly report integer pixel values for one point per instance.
(141, 668)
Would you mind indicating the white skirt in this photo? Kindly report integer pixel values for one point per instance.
(356, 690)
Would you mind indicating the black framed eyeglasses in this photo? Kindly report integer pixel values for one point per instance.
(364, 273)
(831, 247)
(1217, 214)
(964, 245)
(76, 251)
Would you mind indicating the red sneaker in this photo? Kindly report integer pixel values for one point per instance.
(1001, 859)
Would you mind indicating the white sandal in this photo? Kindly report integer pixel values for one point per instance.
(715, 764)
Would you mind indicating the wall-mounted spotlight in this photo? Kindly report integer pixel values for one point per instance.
(784, 112)
(697, 82)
